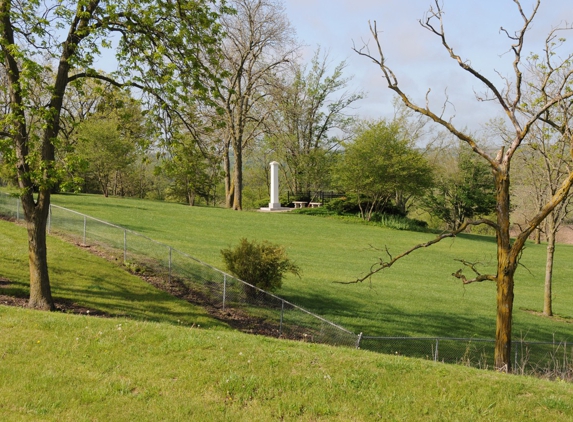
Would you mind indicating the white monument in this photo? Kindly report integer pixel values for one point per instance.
(275, 204)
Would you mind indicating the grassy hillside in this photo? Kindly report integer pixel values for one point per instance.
(416, 297)
(58, 367)
(89, 281)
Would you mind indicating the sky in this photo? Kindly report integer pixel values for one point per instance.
(416, 56)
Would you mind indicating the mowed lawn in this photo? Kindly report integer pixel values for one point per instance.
(59, 367)
(416, 297)
(89, 281)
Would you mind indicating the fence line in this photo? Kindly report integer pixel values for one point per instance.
(273, 314)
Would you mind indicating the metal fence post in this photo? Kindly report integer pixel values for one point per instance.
(224, 289)
(358, 340)
(17, 209)
(437, 346)
(282, 313)
(515, 362)
(85, 225)
(124, 246)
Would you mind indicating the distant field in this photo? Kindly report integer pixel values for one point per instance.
(58, 367)
(416, 297)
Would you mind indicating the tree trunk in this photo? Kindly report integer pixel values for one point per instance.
(238, 176)
(537, 236)
(36, 221)
(503, 323)
(229, 187)
(190, 198)
(506, 265)
(550, 233)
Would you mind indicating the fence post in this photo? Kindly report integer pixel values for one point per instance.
(124, 246)
(358, 340)
(49, 218)
(169, 264)
(17, 209)
(282, 313)
(85, 224)
(224, 289)
(436, 354)
(516, 351)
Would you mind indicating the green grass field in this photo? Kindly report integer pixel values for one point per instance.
(161, 358)
(59, 367)
(416, 297)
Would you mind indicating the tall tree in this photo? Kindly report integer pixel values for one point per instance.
(556, 95)
(378, 163)
(309, 105)
(165, 47)
(259, 41)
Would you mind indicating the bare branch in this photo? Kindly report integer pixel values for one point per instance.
(381, 265)
(479, 277)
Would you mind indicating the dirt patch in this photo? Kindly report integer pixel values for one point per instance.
(61, 306)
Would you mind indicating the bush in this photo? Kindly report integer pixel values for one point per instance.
(260, 264)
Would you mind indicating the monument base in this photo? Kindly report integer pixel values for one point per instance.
(275, 207)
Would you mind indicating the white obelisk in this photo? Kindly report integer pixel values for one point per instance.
(275, 203)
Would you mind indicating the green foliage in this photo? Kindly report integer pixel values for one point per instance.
(261, 264)
(390, 221)
(379, 164)
(464, 189)
(192, 172)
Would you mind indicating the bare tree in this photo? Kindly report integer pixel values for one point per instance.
(522, 118)
(543, 167)
(259, 40)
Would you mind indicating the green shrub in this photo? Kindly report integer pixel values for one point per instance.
(260, 264)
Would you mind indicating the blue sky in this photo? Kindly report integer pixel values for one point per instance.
(415, 55)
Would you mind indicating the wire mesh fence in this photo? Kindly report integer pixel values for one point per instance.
(552, 359)
(268, 314)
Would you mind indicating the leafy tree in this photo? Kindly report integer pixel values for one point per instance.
(263, 265)
(308, 105)
(192, 172)
(110, 141)
(463, 189)
(553, 106)
(166, 49)
(378, 164)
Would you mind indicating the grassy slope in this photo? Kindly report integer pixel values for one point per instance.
(80, 277)
(416, 297)
(58, 367)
